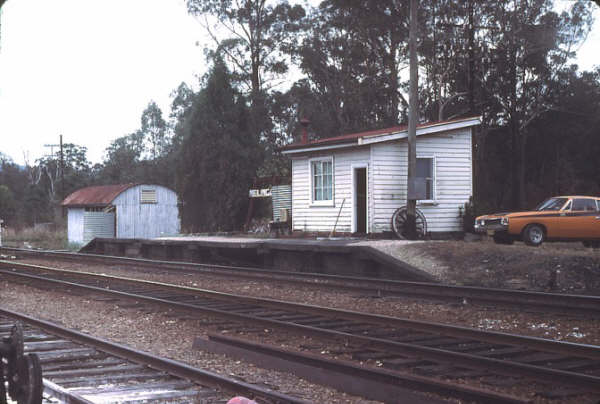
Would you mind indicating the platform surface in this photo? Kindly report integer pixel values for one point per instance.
(388, 247)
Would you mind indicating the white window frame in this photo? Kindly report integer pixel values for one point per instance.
(311, 188)
(433, 200)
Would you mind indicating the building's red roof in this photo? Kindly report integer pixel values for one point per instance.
(350, 137)
(101, 195)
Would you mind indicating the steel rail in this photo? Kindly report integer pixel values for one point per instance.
(569, 348)
(533, 301)
(498, 366)
(375, 383)
(170, 366)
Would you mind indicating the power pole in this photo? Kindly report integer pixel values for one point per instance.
(61, 164)
(411, 202)
(471, 78)
(62, 171)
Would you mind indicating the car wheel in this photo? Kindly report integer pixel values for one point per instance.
(533, 235)
(503, 239)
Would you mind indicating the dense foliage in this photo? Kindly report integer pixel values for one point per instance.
(345, 63)
(218, 157)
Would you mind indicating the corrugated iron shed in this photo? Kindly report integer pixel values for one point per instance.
(98, 196)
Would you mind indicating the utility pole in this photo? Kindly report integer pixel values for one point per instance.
(62, 164)
(471, 78)
(62, 171)
(411, 202)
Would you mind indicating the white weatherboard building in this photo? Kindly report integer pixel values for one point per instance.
(360, 179)
(121, 211)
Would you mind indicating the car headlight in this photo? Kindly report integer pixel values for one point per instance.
(504, 221)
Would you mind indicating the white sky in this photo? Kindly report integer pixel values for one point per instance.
(86, 69)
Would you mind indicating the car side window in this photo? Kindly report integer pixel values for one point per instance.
(568, 206)
(588, 205)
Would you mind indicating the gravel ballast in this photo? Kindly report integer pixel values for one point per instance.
(172, 337)
(552, 326)
(156, 332)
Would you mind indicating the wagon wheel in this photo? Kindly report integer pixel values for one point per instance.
(14, 358)
(31, 385)
(399, 221)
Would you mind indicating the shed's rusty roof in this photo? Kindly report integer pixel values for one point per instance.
(101, 195)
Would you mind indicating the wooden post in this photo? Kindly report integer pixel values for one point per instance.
(411, 202)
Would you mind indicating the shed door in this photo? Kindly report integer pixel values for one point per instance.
(360, 200)
(98, 224)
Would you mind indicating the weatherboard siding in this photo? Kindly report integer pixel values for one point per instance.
(453, 179)
(387, 167)
(146, 220)
(323, 218)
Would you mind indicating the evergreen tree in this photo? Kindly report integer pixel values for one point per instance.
(218, 158)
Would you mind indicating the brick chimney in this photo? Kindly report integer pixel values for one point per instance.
(304, 122)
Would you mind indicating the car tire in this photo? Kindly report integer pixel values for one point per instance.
(534, 235)
(501, 238)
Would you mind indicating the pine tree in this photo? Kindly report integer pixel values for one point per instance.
(218, 158)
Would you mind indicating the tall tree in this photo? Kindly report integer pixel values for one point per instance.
(218, 158)
(251, 36)
(122, 158)
(154, 130)
(352, 58)
(529, 44)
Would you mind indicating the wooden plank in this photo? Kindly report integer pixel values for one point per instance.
(96, 380)
(110, 361)
(173, 385)
(92, 371)
(143, 396)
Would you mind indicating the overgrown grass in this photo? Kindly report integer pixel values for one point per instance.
(52, 239)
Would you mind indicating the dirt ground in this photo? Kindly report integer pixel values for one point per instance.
(557, 267)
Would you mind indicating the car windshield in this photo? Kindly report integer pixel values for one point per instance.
(552, 204)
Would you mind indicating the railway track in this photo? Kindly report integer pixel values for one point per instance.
(438, 351)
(579, 305)
(81, 369)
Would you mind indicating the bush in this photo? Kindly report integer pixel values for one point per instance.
(468, 214)
(53, 239)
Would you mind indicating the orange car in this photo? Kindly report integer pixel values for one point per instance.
(569, 218)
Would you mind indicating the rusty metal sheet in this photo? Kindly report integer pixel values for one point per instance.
(100, 195)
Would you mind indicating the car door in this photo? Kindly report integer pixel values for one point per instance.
(582, 221)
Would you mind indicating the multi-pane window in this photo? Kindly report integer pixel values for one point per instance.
(322, 180)
(425, 171)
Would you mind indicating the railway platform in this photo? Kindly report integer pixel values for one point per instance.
(352, 257)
